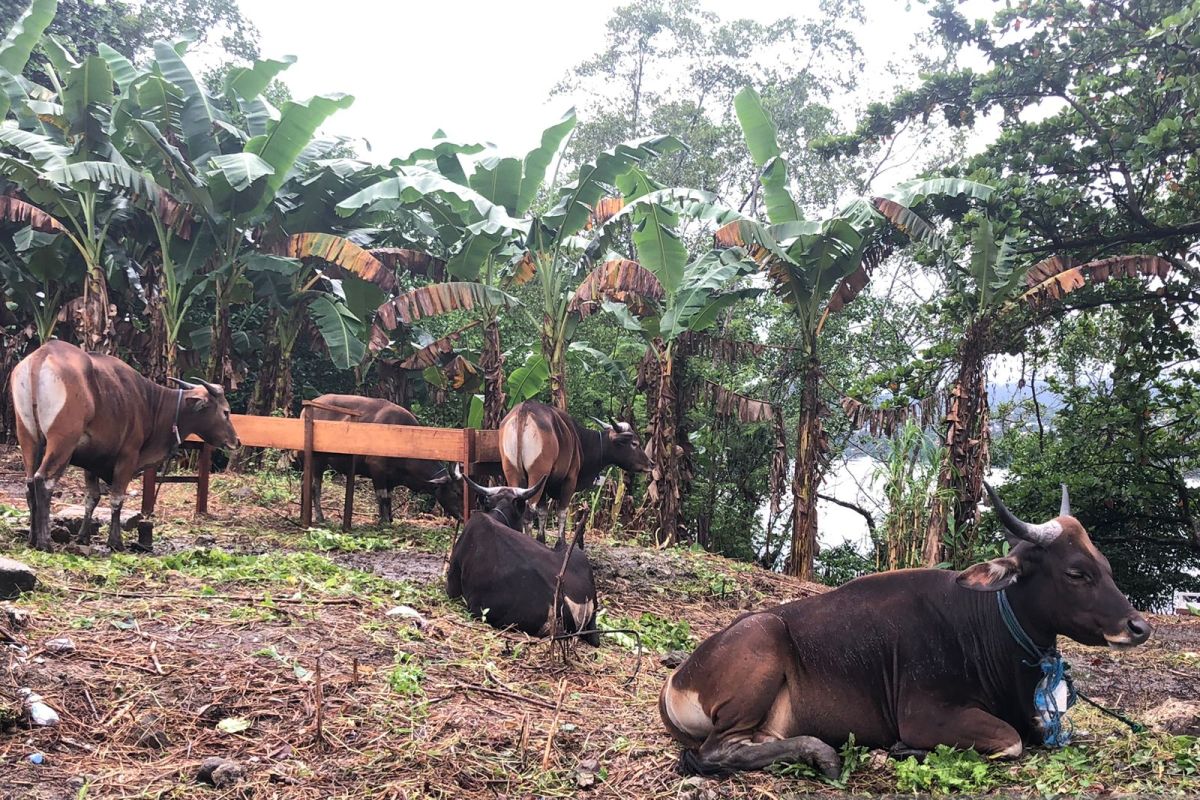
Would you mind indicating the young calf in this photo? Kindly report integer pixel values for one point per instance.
(508, 579)
(905, 660)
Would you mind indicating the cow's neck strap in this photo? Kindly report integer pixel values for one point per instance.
(1017, 632)
(602, 436)
(1055, 692)
(173, 449)
(503, 517)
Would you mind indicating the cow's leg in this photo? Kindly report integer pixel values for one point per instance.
(318, 483)
(562, 524)
(90, 499)
(543, 511)
(925, 725)
(384, 495)
(54, 464)
(122, 475)
(720, 755)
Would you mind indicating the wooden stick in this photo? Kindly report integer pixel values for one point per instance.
(348, 505)
(306, 482)
(562, 691)
(471, 687)
(319, 691)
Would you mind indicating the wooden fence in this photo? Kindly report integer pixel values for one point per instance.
(464, 446)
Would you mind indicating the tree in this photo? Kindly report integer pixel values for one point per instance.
(671, 67)
(817, 267)
(1113, 88)
(988, 285)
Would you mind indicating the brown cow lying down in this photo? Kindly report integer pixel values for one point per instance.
(98, 413)
(419, 475)
(905, 660)
(508, 579)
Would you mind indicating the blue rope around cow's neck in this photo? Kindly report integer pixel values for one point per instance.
(1051, 711)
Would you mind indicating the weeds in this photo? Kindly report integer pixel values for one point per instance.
(946, 771)
(658, 634)
(406, 675)
(327, 540)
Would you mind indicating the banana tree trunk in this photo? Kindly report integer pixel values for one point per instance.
(492, 362)
(960, 479)
(273, 390)
(664, 489)
(554, 350)
(811, 451)
(94, 314)
(220, 367)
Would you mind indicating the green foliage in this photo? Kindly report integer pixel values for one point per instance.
(947, 771)
(657, 634)
(854, 758)
(406, 675)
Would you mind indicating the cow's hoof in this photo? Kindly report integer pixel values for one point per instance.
(830, 765)
(901, 751)
(139, 547)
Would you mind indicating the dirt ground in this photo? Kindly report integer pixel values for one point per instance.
(246, 638)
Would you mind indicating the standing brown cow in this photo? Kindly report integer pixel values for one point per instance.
(539, 441)
(419, 475)
(96, 412)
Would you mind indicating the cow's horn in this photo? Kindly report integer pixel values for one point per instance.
(214, 389)
(525, 494)
(182, 384)
(1065, 509)
(488, 490)
(1042, 534)
(601, 423)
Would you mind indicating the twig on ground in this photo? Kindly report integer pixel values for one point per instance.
(562, 691)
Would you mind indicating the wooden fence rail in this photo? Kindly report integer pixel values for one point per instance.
(464, 446)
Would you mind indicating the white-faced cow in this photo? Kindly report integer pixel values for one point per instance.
(97, 413)
(905, 660)
(538, 441)
(509, 580)
(419, 475)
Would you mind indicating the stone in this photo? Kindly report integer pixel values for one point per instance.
(220, 772)
(15, 578)
(61, 646)
(586, 773)
(407, 612)
(149, 733)
(673, 659)
(71, 517)
(1176, 717)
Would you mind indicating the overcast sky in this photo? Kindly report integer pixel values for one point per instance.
(482, 71)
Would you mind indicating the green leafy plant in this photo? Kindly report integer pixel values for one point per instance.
(946, 770)
(657, 634)
(406, 675)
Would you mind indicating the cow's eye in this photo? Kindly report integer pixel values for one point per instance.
(1076, 575)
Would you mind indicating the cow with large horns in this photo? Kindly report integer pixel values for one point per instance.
(511, 581)
(96, 412)
(905, 660)
(538, 442)
(386, 473)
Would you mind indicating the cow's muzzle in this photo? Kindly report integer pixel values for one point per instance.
(1137, 630)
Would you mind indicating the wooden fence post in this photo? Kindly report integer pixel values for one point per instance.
(468, 464)
(306, 498)
(204, 468)
(348, 507)
(145, 527)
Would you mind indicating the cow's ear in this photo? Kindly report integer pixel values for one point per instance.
(197, 403)
(990, 576)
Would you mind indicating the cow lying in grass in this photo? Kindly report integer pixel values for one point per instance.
(508, 579)
(905, 660)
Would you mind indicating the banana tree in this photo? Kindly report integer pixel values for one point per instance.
(471, 216)
(63, 161)
(818, 267)
(673, 298)
(233, 179)
(991, 289)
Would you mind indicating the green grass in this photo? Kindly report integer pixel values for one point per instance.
(406, 675)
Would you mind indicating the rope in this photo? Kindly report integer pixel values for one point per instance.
(1136, 727)
(1056, 729)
